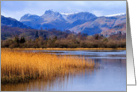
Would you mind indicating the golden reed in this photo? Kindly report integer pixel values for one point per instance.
(22, 66)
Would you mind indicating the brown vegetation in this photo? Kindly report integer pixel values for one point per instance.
(71, 41)
(20, 66)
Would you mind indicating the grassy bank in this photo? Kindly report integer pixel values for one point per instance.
(20, 66)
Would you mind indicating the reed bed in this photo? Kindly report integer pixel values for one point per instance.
(22, 66)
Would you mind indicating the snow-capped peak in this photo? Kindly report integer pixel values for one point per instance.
(119, 14)
(28, 14)
(67, 13)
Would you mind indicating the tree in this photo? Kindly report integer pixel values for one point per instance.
(22, 40)
(96, 36)
(16, 39)
(36, 34)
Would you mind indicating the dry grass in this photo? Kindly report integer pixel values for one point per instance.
(21, 66)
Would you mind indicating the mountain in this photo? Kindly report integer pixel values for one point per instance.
(100, 25)
(82, 22)
(31, 20)
(83, 16)
(79, 18)
(51, 19)
(48, 20)
(7, 21)
(120, 28)
(50, 16)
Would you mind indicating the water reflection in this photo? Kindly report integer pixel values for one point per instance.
(41, 85)
(110, 76)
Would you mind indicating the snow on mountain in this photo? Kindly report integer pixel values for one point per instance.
(119, 14)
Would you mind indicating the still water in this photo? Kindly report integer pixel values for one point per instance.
(109, 76)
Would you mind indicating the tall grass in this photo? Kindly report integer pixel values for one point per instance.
(21, 66)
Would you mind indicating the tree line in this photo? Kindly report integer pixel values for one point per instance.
(69, 41)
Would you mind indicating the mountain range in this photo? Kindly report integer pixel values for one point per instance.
(81, 22)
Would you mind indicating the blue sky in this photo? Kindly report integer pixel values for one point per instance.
(16, 9)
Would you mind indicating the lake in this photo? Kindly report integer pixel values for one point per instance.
(109, 76)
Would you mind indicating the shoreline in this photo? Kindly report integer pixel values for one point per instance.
(65, 48)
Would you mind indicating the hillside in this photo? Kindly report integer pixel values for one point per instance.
(12, 22)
